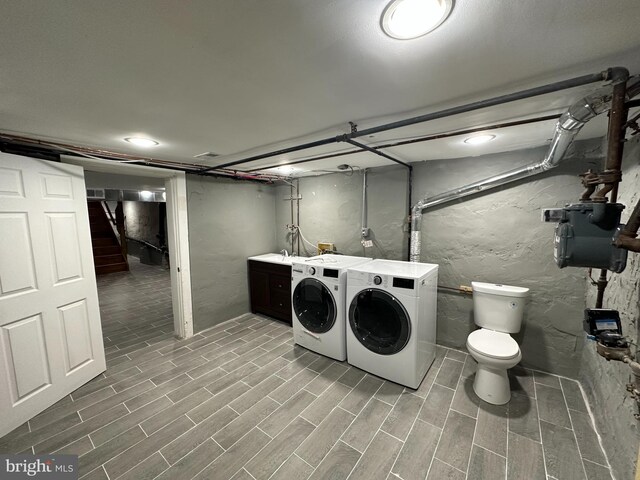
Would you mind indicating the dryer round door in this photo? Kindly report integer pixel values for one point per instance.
(314, 305)
(379, 321)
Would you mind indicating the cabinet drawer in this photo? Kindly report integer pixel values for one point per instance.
(280, 283)
(280, 300)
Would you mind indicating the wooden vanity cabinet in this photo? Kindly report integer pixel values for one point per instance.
(270, 289)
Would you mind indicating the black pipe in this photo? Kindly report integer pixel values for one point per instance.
(491, 102)
(377, 152)
(427, 138)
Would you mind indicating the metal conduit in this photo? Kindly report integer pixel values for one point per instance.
(567, 127)
(608, 74)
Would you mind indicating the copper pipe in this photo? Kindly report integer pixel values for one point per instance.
(628, 237)
(615, 136)
(102, 154)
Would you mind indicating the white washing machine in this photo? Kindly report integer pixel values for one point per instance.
(318, 292)
(391, 326)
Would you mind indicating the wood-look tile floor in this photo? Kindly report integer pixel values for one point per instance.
(241, 401)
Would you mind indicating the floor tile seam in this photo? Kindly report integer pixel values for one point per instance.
(444, 386)
(593, 425)
(597, 463)
(525, 437)
(248, 472)
(271, 398)
(270, 437)
(415, 420)
(473, 438)
(489, 450)
(102, 465)
(575, 436)
(506, 470)
(304, 389)
(435, 451)
(117, 393)
(282, 465)
(373, 437)
(449, 465)
(544, 455)
(395, 459)
(356, 418)
(337, 439)
(254, 455)
(475, 419)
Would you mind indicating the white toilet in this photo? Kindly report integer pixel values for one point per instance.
(497, 310)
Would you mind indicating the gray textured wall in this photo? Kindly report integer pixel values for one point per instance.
(493, 237)
(604, 382)
(331, 210)
(142, 220)
(498, 237)
(228, 222)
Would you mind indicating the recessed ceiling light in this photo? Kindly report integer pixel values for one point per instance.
(478, 139)
(141, 141)
(407, 19)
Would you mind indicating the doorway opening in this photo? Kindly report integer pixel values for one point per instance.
(177, 235)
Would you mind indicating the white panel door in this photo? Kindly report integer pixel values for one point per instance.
(50, 332)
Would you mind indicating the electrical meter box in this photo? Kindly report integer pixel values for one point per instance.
(584, 237)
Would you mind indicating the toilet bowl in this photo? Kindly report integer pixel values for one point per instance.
(495, 353)
(498, 311)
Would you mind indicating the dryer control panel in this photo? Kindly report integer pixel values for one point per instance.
(387, 281)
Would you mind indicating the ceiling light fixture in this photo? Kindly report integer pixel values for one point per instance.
(142, 142)
(479, 139)
(407, 19)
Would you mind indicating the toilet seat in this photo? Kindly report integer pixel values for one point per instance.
(493, 344)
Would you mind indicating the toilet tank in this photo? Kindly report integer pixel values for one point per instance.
(498, 307)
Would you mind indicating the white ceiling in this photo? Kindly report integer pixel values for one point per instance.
(232, 76)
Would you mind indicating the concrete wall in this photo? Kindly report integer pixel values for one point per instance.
(331, 211)
(493, 237)
(604, 382)
(142, 220)
(228, 222)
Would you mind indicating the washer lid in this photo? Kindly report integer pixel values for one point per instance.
(493, 344)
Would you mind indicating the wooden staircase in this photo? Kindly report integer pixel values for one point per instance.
(108, 256)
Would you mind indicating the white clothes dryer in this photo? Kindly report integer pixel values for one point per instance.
(318, 290)
(391, 329)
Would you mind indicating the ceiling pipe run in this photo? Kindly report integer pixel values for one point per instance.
(567, 127)
(412, 141)
(608, 74)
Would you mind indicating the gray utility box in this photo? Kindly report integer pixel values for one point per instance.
(585, 234)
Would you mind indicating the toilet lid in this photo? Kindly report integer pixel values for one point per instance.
(493, 344)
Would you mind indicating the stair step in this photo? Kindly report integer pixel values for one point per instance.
(100, 232)
(108, 259)
(107, 250)
(103, 241)
(111, 268)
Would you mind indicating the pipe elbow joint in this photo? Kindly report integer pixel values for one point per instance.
(617, 75)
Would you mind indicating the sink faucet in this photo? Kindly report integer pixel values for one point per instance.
(284, 252)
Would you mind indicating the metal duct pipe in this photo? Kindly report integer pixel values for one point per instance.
(566, 129)
(363, 229)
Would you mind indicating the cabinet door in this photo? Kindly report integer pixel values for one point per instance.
(259, 290)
